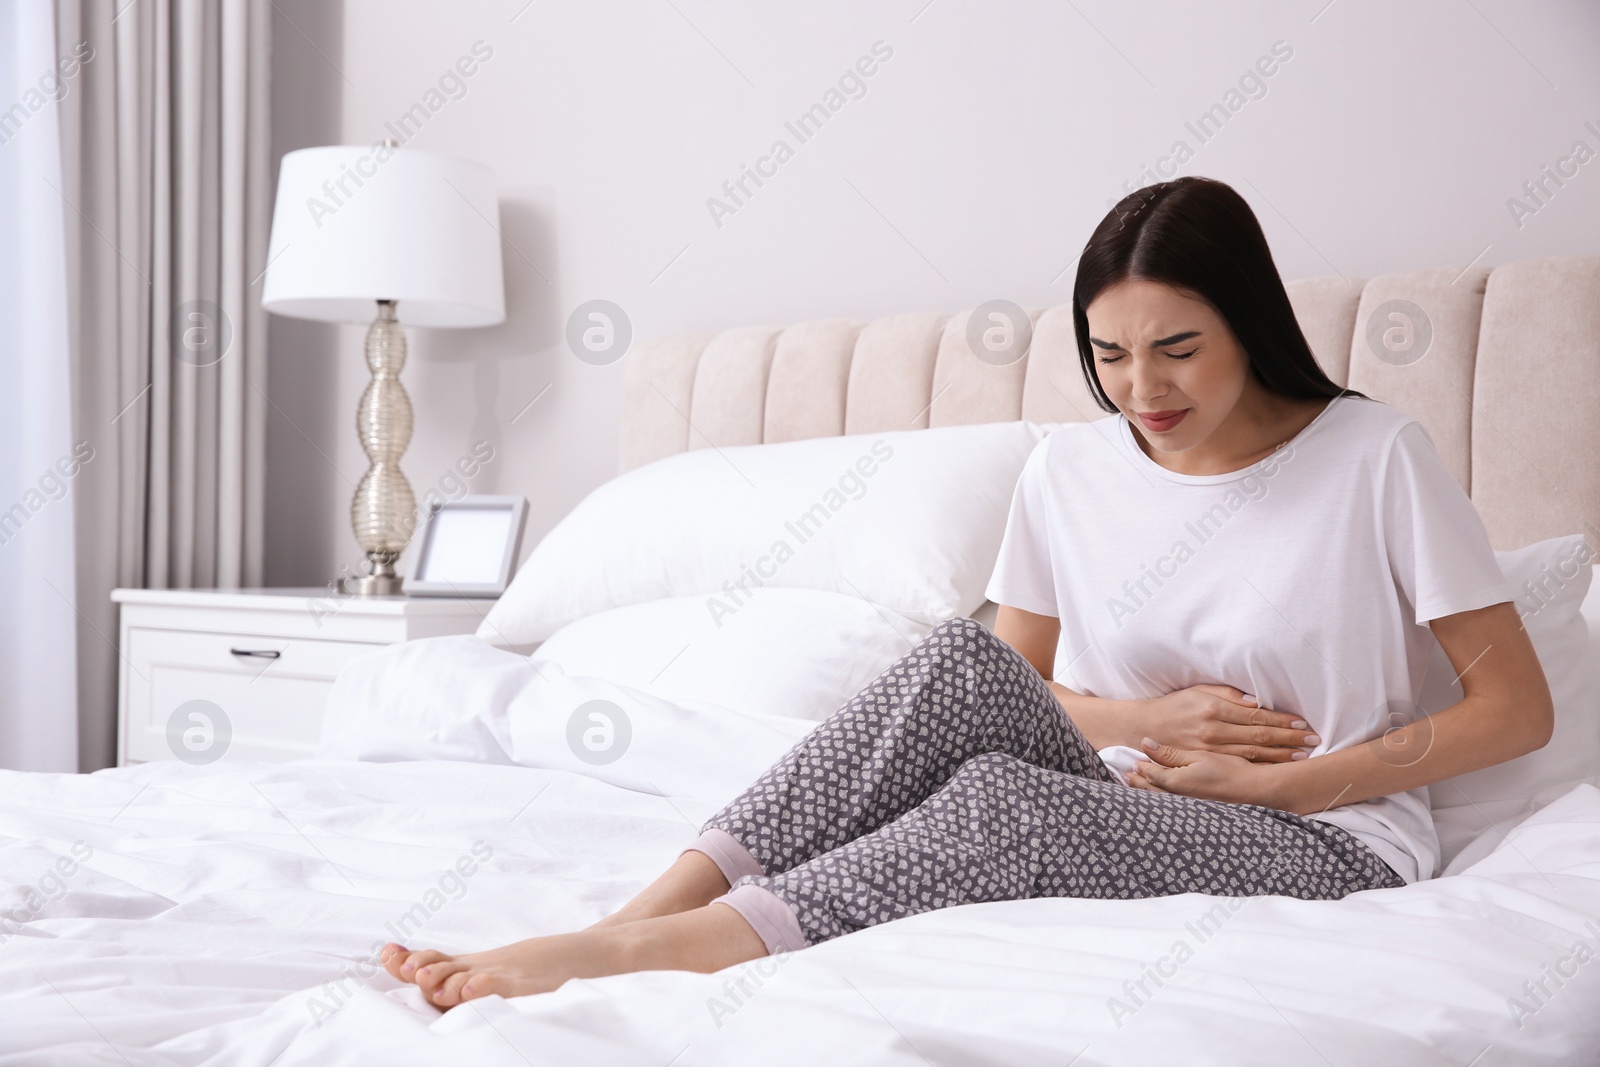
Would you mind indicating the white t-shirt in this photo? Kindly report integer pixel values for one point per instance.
(1306, 579)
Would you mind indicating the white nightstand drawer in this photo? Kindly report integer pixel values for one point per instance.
(178, 646)
(272, 706)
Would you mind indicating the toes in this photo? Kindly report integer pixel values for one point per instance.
(392, 956)
(418, 960)
(431, 977)
(478, 985)
(449, 993)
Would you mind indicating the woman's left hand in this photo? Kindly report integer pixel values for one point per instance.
(1207, 775)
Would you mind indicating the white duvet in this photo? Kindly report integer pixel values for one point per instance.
(227, 914)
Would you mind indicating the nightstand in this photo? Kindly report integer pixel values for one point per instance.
(213, 674)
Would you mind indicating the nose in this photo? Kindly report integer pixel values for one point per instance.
(1149, 384)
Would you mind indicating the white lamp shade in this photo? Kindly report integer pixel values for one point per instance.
(355, 225)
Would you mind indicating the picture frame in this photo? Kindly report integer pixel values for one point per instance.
(467, 547)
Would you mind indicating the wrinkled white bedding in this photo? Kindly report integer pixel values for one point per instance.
(227, 914)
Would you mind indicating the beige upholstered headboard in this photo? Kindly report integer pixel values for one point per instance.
(1507, 387)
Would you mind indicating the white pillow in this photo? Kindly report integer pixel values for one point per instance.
(793, 652)
(910, 520)
(1552, 581)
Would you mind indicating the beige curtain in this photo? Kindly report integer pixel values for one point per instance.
(165, 171)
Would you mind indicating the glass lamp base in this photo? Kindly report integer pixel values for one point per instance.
(383, 510)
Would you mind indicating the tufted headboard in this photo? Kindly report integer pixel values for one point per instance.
(1507, 387)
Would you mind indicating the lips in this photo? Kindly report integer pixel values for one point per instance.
(1161, 421)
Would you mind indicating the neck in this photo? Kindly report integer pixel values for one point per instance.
(1259, 424)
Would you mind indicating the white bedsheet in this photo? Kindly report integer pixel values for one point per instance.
(225, 913)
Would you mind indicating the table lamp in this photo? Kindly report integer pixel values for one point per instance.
(396, 237)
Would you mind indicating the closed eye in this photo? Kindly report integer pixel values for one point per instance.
(1170, 355)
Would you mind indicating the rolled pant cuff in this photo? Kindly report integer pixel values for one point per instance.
(771, 919)
(725, 850)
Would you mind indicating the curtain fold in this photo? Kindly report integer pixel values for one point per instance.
(165, 168)
(38, 461)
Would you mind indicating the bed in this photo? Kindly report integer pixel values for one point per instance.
(471, 791)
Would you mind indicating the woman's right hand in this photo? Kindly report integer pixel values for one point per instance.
(1220, 718)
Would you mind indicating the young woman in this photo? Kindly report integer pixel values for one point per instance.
(1241, 571)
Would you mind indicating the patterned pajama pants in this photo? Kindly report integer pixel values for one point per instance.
(956, 777)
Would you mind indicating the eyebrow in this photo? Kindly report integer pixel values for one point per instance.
(1158, 343)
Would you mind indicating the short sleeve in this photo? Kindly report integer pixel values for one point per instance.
(1438, 548)
(1023, 577)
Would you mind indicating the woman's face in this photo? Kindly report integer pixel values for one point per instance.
(1162, 353)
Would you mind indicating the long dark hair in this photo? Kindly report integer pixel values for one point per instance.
(1198, 235)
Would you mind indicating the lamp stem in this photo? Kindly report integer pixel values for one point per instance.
(383, 511)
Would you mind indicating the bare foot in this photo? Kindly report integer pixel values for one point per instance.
(536, 965)
(706, 939)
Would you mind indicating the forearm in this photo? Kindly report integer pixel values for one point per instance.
(1458, 740)
(1103, 722)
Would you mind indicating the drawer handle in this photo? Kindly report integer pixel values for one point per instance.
(256, 653)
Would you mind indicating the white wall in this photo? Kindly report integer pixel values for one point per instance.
(980, 156)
